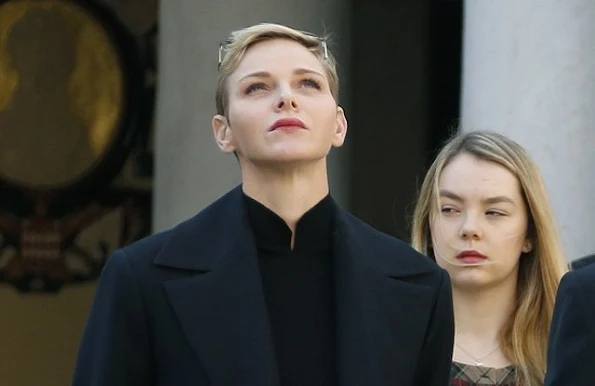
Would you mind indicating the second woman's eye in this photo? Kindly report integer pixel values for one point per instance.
(448, 210)
(494, 213)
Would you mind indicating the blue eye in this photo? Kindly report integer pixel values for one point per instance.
(254, 87)
(311, 83)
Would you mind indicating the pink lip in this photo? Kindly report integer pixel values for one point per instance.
(288, 124)
(471, 257)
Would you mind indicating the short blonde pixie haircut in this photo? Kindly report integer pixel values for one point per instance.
(232, 51)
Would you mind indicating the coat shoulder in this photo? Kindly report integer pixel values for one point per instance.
(390, 252)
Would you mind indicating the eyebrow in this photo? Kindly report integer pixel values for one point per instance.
(265, 74)
(489, 200)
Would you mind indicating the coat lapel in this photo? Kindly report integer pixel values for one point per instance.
(220, 304)
(378, 309)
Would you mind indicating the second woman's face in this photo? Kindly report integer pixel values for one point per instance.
(480, 231)
(280, 106)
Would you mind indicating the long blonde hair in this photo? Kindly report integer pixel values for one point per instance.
(524, 338)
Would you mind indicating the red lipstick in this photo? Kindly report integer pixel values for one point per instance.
(288, 124)
(471, 257)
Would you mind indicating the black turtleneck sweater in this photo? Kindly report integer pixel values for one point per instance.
(298, 289)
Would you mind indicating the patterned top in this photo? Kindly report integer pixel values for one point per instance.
(468, 375)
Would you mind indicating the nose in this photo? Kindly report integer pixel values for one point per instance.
(470, 228)
(287, 100)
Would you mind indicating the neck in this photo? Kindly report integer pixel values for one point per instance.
(288, 192)
(480, 316)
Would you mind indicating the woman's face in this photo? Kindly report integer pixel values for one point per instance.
(481, 228)
(280, 107)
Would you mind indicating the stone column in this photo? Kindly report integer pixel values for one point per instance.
(529, 73)
(191, 171)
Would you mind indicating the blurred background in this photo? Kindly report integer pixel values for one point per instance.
(105, 135)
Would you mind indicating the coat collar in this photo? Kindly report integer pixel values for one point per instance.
(221, 306)
(206, 240)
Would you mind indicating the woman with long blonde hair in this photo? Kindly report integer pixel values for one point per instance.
(483, 215)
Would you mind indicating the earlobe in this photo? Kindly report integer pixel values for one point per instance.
(223, 134)
(528, 246)
(341, 127)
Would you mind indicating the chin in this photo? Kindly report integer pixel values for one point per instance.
(304, 156)
(471, 280)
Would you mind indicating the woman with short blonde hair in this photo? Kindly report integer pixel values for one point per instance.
(273, 284)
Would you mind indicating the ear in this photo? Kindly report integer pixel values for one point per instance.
(528, 246)
(340, 128)
(223, 134)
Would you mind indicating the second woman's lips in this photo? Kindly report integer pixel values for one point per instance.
(288, 123)
(471, 257)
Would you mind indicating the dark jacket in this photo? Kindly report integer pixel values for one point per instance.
(571, 353)
(185, 308)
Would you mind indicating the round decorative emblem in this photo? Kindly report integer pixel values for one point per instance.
(69, 86)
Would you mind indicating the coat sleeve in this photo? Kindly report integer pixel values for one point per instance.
(571, 352)
(436, 358)
(115, 347)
